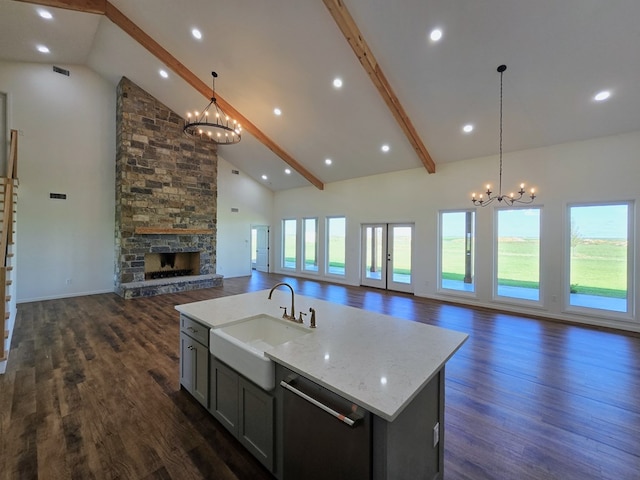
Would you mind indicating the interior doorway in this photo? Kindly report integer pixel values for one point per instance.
(387, 256)
(260, 248)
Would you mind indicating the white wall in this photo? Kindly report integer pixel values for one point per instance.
(66, 145)
(601, 169)
(254, 203)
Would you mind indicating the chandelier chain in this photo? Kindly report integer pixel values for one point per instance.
(512, 198)
(500, 186)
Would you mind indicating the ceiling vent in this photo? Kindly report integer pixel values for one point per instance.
(235, 172)
(61, 71)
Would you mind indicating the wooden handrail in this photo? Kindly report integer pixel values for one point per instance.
(7, 230)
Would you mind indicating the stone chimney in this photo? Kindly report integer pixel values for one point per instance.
(165, 200)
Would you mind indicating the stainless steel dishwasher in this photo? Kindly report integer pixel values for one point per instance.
(324, 435)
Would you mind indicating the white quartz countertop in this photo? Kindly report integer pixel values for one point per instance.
(377, 361)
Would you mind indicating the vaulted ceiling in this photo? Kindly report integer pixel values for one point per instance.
(399, 87)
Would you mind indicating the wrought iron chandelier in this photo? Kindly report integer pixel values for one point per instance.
(213, 124)
(491, 196)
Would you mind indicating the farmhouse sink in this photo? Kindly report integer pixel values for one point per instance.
(242, 344)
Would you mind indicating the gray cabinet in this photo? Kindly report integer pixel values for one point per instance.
(223, 395)
(194, 359)
(244, 409)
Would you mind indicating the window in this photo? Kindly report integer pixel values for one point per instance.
(336, 244)
(310, 253)
(289, 243)
(457, 250)
(518, 254)
(599, 256)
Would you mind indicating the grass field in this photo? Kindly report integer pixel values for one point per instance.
(598, 267)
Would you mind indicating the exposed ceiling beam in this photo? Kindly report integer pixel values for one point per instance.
(117, 17)
(352, 33)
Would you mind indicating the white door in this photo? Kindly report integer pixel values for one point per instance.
(387, 252)
(260, 248)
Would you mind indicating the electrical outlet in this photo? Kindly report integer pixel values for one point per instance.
(68, 282)
(436, 434)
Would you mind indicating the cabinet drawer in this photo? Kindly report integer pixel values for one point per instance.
(195, 330)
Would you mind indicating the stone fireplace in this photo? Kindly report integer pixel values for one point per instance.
(165, 200)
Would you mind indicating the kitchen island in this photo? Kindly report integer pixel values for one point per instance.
(389, 371)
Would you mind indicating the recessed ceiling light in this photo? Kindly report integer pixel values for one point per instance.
(196, 33)
(46, 14)
(328, 161)
(163, 73)
(264, 177)
(277, 111)
(385, 148)
(467, 128)
(42, 49)
(602, 96)
(287, 171)
(436, 35)
(337, 82)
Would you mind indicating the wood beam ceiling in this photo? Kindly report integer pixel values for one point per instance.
(352, 33)
(103, 7)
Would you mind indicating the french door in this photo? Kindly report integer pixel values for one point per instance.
(387, 252)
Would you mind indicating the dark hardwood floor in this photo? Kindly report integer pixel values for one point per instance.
(91, 392)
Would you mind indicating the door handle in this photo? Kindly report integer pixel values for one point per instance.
(318, 404)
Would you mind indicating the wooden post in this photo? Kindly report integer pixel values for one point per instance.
(3, 299)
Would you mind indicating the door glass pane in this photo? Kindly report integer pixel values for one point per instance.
(518, 253)
(457, 250)
(289, 228)
(373, 252)
(401, 254)
(336, 241)
(310, 244)
(599, 257)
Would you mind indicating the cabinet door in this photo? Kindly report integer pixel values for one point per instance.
(200, 388)
(186, 363)
(256, 422)
(223, 386)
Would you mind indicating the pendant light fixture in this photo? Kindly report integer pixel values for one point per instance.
(213, 124)
(491, 196)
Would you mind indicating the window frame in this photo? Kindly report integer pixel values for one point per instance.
(283, 264)
(539, 303)
(327, 236)
(631, 264)
(440, 287)
(303, 241)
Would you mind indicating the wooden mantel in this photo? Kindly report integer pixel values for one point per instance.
(172, 231)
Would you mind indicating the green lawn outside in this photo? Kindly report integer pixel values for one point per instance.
(598, 267)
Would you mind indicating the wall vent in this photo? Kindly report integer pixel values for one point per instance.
(235, 172)
(62, 71)
(59, 196)
(234, 210)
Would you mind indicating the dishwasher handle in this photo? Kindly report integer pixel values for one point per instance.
(322, 406)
